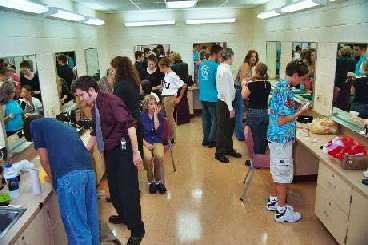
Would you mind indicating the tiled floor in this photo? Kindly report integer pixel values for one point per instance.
(202, 205)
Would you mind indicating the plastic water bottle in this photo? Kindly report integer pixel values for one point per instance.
(12, 180)
(302, 87)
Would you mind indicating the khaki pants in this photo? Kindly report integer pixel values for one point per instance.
(169, 106)
(153, 161)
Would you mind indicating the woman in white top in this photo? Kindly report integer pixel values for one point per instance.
(171, 84)
(224, 108)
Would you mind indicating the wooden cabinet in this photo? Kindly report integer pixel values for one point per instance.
(305, 162)
(358, 222)
(37, 231)
(341, 208)
(46, 228)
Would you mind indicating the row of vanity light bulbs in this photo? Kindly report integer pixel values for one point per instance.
(38, 8)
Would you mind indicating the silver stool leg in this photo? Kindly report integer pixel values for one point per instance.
(247, 181)
(162, 171)
(172, 156)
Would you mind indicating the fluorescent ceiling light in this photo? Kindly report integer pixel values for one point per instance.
(67, 15)
(150, 23)
(181, 4)
(210, 21)
(94, 21)
(302, 4)
(268, 14)
(24, 5)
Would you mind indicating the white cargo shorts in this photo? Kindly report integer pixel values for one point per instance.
(281, 162)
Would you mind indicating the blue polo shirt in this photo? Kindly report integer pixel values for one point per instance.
(207, 81)
(17, 123)
(66, 151)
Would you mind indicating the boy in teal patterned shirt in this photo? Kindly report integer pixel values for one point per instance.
(281, 136)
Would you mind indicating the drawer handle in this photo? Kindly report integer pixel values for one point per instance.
(329, 204)
(333, 175)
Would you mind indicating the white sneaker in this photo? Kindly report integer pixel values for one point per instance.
(289, 215)
(271, 205)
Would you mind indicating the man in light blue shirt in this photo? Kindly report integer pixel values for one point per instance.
(208, 95)
(361, 50)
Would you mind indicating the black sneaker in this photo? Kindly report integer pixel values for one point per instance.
(152, 188)
(161, 188)
(116, 219)
(134, 240)
(234, 153)
(211, 145)
(204, 144)
(222, 158)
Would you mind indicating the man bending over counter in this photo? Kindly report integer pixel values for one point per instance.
(69, 165)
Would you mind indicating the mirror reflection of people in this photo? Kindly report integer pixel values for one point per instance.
(281, 136)
(30, 78)
(30, 104)
(69, 165)
(245, 73)
(64, 70)
(224, 108)
(13, 113)
(139, 63)
(310, 57)
(106, 83)
(3, 138)
(360, 91)
(297, 52)
(345, 63)
(361, 51)
(114, 133)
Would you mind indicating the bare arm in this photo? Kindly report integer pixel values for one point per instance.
(245, 92)
(133, 138)
(244, 72)
(44, 159)
(91, 143)
(182, 91)
(156, 121)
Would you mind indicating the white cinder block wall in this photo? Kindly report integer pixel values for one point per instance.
(344, 21)
(121, 40)
(24, 34)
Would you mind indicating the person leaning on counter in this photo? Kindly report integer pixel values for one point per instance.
(114, 132)
(68, 163)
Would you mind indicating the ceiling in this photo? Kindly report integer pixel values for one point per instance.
(129, 5)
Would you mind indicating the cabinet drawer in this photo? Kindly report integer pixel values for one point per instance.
(334, 219)
(337, 188)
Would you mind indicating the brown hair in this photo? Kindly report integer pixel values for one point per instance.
(296, 66)
(261, 72)
(62, 58)
(84, 83)
(137, 54)
(346, 51)
(153, 58)
(308, 55)
(249, 55)
(25, 64)
(165, 62)
(125, 70)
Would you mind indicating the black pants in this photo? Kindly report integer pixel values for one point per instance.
(122, 176)
(225, 129)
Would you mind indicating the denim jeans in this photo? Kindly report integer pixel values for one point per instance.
(78, 207)
(361, 108)
(239, 114)
(258, 122)
(209, 122)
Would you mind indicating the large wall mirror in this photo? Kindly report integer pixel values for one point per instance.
(273, 55)
(307, 52)
(201, 51)
(20, 97)
(66, 70)
(160, 50)
(351, 82)
(92, 64)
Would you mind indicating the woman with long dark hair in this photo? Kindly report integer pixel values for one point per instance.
(245, 74)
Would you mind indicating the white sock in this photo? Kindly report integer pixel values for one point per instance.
(273, 198)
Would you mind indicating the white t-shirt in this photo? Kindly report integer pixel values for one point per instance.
(171, 84)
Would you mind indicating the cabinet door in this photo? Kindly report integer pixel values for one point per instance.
(38, 231)
(305, 162)
(56, 224)
(358, 222)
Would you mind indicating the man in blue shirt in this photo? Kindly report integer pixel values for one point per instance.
(361, 50)
(281, 136)
(208, 95)
(68, 163)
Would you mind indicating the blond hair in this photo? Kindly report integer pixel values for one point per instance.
(146, 100)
